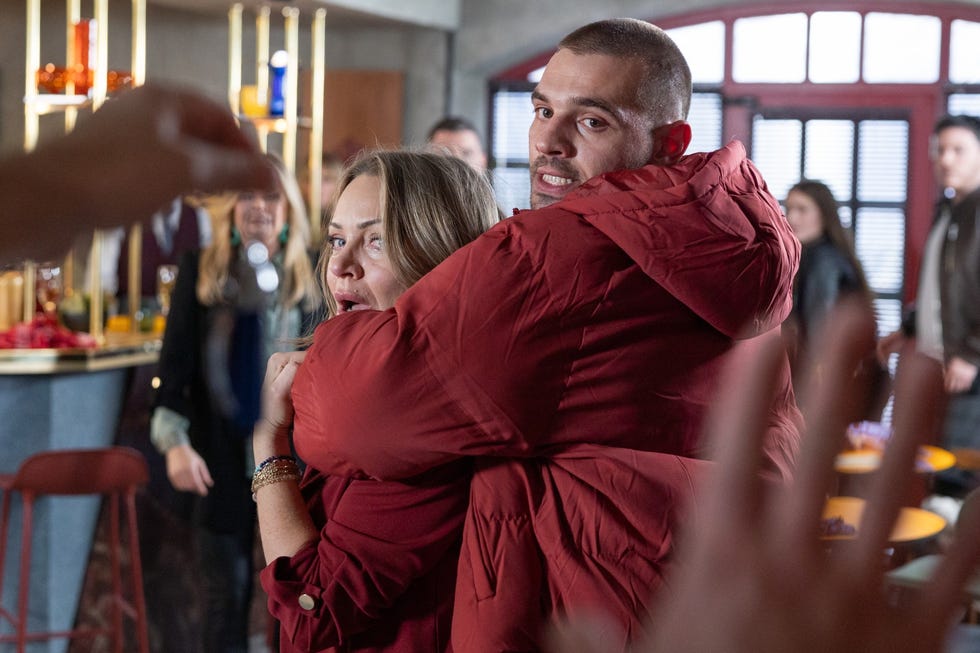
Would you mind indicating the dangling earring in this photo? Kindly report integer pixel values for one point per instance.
(236, 238)
(284, 234)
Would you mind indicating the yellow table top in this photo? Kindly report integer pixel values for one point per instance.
(913, 524)
(862, 461)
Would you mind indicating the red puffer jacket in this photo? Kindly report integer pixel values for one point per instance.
(601, 320)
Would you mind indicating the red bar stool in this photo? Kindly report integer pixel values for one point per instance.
(116, 472)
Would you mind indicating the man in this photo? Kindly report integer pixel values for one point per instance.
(946, 322)
(573, 349)
(458, 137)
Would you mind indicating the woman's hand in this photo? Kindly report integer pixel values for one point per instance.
(271, 434)
(187, 471)
(277, 404)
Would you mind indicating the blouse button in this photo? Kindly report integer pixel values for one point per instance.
(306, 602)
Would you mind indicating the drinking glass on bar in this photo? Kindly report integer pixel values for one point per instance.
(48, 286)
(166, 279)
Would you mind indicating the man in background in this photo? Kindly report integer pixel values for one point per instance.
(458, 136)
(946, 321)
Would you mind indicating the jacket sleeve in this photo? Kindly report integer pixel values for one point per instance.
(379, 539)
(179, 356)
(448, 372)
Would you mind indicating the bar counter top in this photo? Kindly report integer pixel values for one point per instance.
(119, 350)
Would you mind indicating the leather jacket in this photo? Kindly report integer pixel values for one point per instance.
(959, 281)
(825, 275)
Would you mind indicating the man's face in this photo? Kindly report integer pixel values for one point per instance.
(956, 160)
(587, 120)
(463, 144)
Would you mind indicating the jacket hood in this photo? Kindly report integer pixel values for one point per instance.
(706, 229)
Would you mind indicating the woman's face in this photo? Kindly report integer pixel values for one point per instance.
(359, 273)
(804, 217)
(260, 216)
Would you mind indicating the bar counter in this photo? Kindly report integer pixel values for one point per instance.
(121, 350)
(60, 399)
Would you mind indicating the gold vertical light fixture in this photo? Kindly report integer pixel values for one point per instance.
(95, 286)
(235, 57)
(291, 15)
(134, 275)
(101, 73)
(135, 271)
(73, 11)
(138, 56)
(262, 56)
(31, 65)
(30, 290)
(319, 38)
(262, 71)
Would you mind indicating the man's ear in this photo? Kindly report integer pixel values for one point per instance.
(669, 143)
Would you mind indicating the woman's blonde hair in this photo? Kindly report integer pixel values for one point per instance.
(299, 283)
(431, 205)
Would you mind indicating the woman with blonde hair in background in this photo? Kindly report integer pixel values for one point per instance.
(358, 564)
(200, 424)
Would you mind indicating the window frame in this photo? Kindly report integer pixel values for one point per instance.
(924, 102)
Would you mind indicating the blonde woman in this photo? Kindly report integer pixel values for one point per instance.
(358, 564)
(207, 450)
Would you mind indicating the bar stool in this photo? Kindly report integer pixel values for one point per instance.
(115, 472)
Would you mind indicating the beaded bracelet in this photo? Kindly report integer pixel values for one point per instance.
(275, 471)
(272, 459)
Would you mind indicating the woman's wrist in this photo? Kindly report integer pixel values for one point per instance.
(268, 440)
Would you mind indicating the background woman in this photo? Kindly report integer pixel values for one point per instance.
(829, 272)
(362, 564)
(207, 450)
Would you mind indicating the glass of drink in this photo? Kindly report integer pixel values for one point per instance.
(166, 279)
(49, 288)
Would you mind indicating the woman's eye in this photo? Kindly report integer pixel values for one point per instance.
(376, 242)
(336, 242)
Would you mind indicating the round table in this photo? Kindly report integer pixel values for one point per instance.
(863, 461)
(912, 525)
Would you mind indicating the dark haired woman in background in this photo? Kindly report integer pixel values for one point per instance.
(829, 272)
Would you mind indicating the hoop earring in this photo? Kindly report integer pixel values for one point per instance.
(236, 238)
(284, 234)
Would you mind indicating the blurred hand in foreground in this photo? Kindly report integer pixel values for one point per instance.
(120, 164)
(752, 576)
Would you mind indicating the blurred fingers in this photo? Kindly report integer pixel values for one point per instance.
(736, 429)
(213, 168)
(832, 398)
(918, 397)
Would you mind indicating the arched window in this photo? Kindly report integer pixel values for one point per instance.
(842, 92)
